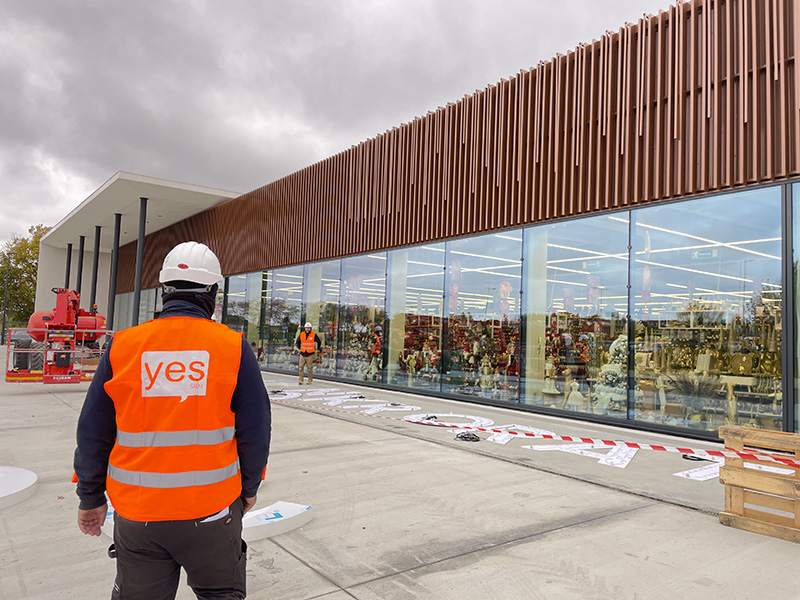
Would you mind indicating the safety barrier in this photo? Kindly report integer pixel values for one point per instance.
(759, 498)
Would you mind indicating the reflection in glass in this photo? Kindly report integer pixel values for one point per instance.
(123, 311)
(321, 309)
(148, 302)
(360, 349)
(706, 288)
(284, 321)
(796, 320)
(243, 307)
(235, 302)
(265, 301)
(481, 350)
(414, 307)
(576, 350)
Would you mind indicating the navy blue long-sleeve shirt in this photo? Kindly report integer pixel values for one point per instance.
(97, 426)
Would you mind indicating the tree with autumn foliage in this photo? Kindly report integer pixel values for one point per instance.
(20, 255)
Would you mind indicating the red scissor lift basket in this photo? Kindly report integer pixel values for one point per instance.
(58, 346)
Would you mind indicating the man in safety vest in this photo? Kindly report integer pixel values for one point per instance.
(307, 344)
(376, 355)
(175, 429)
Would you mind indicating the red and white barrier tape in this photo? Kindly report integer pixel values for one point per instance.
(727, 453)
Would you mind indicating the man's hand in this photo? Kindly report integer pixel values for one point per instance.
(89, 521)
(248, 503)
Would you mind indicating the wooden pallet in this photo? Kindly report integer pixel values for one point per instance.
(758, 499)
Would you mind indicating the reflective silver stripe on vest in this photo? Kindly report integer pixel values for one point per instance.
(160, 439)
(172, 480)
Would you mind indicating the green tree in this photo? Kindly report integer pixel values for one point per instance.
(22, 254)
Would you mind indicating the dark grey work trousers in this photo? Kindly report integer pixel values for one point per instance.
(150, 556)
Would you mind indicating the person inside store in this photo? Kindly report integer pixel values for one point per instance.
(308, 343)
(376, 355)
(175, 428)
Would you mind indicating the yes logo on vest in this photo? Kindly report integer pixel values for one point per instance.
(180, 373)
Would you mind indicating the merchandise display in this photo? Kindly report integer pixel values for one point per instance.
(708, 367)
(482, 357)
(668, 314)
(419, 365)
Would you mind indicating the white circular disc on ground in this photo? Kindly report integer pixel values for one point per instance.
(16, 485)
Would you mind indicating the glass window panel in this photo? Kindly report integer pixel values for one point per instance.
(706, 290)
(321, 309)
(147, 303)
(236, 303)
(796, 272)
(285, 305)
(262, 343)
(484, 275)
(414, 307)
(576, 298)
(361, 347)
(243, 308)
(123, 311)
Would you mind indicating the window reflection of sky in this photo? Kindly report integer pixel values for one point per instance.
(722, 252)
(585, 257)
(422, 270)
(484, 273)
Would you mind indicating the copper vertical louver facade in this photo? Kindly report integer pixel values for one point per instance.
(699, 98)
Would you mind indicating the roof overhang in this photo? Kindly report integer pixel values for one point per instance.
(169, 202)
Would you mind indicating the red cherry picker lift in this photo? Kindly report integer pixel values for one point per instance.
(58, 346)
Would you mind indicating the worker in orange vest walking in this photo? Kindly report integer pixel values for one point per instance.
(307, 344)
(376, 355)
(175, 429)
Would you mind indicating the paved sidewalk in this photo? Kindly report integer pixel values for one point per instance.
(403, 510)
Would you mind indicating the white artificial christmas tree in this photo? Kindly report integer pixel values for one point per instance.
(611, 388)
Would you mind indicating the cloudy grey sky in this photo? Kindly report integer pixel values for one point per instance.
(234, 94)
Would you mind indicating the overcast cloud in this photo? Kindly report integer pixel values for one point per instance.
(234, 94)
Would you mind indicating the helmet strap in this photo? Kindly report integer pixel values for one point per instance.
(171, 289)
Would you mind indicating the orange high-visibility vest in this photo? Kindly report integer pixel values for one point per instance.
(307, 342)
(175, 455)
(376, 344)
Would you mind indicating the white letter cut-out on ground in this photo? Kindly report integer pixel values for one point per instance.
(618, 456)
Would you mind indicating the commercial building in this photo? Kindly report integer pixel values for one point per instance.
(609, 234)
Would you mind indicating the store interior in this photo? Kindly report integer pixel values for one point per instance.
(668, 314)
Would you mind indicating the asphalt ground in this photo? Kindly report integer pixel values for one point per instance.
(403, 510)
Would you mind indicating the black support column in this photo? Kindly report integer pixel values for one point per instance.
(95, 262)
(69, 264)
(81, 248)
(137, 286)
(112, 283)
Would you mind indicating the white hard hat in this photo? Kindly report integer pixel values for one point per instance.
(307, 325)
(378, 328)
(191, 261)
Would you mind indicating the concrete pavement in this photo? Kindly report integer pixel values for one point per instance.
(403, 510)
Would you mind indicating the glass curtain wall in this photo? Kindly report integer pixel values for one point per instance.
(284, 322)
(796, 291)
(414, 307)
(265, 299)
(322, 283)
(576, 339)
(482, 331)
(123, 311)
(701, 280)
(796, 284)
(243, 307)
(361, 344)
(149, 304)
(706, 293)
(235, 302)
